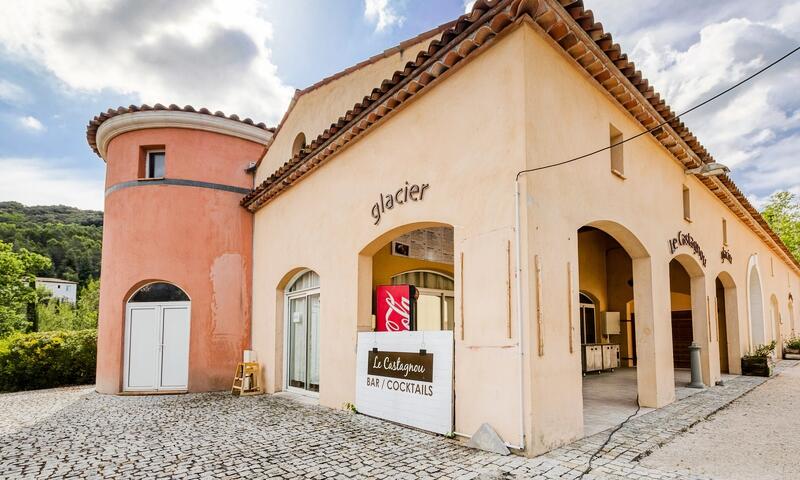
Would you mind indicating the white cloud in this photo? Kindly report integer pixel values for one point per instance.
(10, 92)
(31, 123)
(692, 50)
(34, 181)
(468, 4)
(382, 13)
(208, 53)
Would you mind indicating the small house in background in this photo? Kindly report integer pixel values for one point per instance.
(64, 290)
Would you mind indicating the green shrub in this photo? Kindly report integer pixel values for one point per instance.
(793, 343)
(762, 351)
(47, 359)
(54, 315)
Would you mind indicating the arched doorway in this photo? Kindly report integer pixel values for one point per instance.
(755, 304)
(302, 332)
(727, 324)
(157, 322)
(777, 322)
(613, 300)
(418, 255)
(690, 317)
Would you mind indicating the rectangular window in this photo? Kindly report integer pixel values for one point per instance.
(771, 267)
(617, 159)
(154, 164)
(687, 208)
(724, 232)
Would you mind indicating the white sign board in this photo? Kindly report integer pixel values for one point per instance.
(407, 377)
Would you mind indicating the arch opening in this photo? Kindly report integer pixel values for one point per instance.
(416, 262)
(689, 313)
(159, 292)
(755, 304)
(156, 346)
(302, 319)
(407, 284)
(726, 311)
(299, 143)
(776, 324)
(612, 302)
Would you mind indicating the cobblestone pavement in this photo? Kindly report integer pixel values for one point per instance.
(76, 433)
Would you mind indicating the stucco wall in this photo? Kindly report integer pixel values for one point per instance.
(468, 153)
(197, 238)
(568, 115)
(521, 104)
(316, 110)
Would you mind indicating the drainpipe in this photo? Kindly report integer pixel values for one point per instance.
(518, 285)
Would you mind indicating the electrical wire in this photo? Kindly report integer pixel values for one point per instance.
(605, 444)
(665, 122)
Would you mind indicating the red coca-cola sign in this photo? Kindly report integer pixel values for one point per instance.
(395, 308)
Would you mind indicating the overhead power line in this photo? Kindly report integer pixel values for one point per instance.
(705, 102)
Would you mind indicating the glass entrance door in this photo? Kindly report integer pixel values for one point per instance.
(303, 354)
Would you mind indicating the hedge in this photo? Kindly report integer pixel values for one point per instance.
(47, 359)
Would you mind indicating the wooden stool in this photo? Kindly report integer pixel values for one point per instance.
(246, 380)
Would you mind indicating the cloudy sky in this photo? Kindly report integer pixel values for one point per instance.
(62, 62)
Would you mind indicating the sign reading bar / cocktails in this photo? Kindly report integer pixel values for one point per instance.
(407, 377)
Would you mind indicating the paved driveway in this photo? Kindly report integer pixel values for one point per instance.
(75, 432)
(758, 436)
(204, 435)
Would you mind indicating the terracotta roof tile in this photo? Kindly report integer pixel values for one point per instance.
(94, 124)
(385, 54)
(576, 31)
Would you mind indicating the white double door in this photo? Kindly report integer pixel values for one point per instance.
(157, 346)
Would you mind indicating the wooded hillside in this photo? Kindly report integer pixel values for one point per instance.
(70, 237)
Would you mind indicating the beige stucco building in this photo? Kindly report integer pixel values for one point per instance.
(440, 163)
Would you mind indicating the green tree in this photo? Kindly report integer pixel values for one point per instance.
(54, 314)
(88, 305)
(17, 288)
(782, 213)
(70, 237)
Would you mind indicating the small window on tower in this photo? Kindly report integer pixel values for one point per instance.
(154, 164)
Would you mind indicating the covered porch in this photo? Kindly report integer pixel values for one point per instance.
(610, 397)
